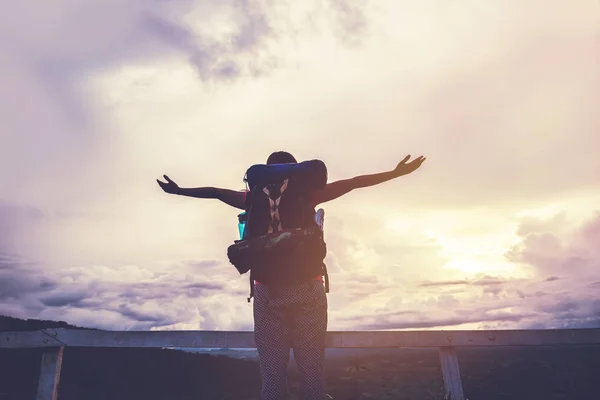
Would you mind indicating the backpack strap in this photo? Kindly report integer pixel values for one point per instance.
(275, 225)
(251, 286)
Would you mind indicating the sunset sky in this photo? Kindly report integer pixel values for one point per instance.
(499, 229)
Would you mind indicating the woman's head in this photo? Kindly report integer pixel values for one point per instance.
(281, 157)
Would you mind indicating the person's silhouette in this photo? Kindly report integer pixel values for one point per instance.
(297, 316)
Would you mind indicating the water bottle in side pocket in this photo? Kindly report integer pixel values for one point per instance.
(242, 218)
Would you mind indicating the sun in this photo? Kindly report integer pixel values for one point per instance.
(476, 255)
(466, 265)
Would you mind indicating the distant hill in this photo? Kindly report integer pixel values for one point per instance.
(17, 324)
(518, 373)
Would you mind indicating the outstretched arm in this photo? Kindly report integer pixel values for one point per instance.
(230, 197)
(339, 188)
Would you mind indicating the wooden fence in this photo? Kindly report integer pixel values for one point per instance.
(54, 340)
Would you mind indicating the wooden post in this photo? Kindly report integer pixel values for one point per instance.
(451, 373)
(50, 373)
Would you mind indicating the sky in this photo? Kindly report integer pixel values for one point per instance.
(499, 229)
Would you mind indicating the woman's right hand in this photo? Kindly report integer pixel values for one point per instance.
(169, 186)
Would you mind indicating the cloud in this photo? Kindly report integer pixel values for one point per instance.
(574, 255)
(62, 299)
(567, 311)
(204, 263)
(558, 288)
(18, 223)
(482, 281)
(568, 265)
(496, 128)
(140, 30)
(220, 60)
(46, 71)
(404, 323)
(352, 21)
(444, 283)
(130, 297)
(152, 316)
(19, 278)
(20, 283)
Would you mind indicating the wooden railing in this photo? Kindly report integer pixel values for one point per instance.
(54, 340)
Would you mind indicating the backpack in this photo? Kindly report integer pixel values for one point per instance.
(281, 243)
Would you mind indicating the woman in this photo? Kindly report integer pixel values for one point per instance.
(297, 317)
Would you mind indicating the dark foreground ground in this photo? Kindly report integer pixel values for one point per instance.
(152, 374)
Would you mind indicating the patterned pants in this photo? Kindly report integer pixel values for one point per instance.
(291, 317)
